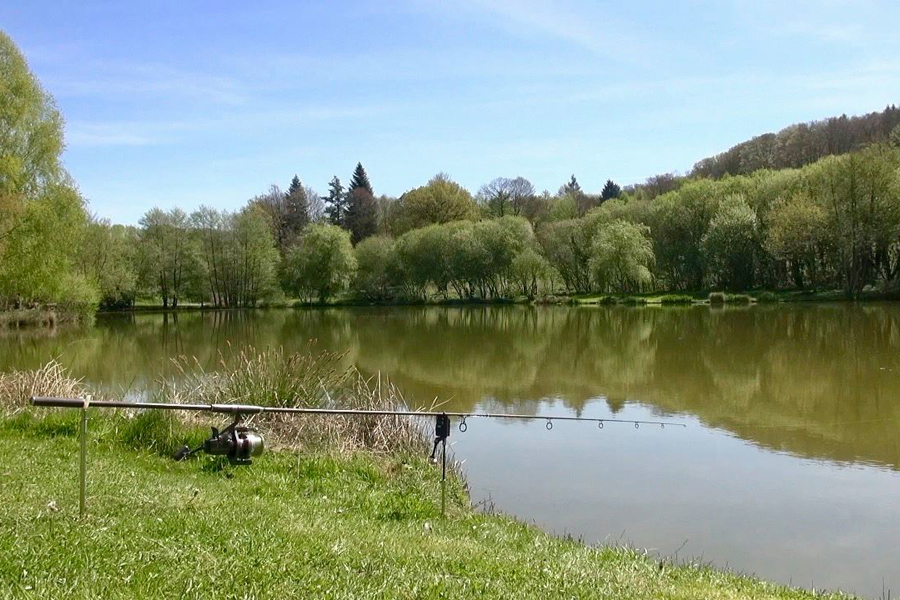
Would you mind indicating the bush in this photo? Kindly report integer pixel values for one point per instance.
(676, 299)
(716, 298)
(738, 299)
(322, 263)
(377, 271)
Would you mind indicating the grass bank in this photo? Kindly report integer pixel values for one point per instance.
(339, 510)
(314, 525)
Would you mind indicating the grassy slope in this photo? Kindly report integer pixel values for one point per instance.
(290, 526)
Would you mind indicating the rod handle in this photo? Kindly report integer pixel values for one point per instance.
(58, 402)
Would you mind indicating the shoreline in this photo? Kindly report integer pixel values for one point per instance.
(650, 298)
(49, 318)
(350, 524)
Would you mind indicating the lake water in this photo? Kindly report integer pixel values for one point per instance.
(788, 467)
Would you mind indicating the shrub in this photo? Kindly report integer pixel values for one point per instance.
(717, 298)
(676, 299)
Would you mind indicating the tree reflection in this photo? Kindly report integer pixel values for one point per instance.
(820, 381)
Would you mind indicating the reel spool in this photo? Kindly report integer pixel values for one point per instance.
(237, 442)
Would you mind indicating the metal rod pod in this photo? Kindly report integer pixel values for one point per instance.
(82, 487)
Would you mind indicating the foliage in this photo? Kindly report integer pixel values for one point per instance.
(107, 257)
(296, 212)
(798, 235)
(440, 201)
(529, 270)
(801, 144)
(622, 257)
(321, 264)
(235, 257)
(360, 180)
(169, 262)
(610, 190)
(336, 203)
(504, 196)
(567, 247)
(42, 216)
(377, 268)
(730, 244)
(362, 214)
(31, 132)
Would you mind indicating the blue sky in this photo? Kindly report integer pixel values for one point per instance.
(172, 103)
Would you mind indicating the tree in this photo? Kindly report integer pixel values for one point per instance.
(377, 271)
(274, 204)
(567, 247)
(495, 196)
(610, 190)
(362, 214)
(170, 259)
(895, 137)
(296, 212)
(528, 270)
(42, 217)
(622, 257)
(730, 244)
(106, 258)
(315, 205)
(440, 201)
(572, 187)
(238, 256)
(336, 203)
(38, 260)
(679, 220)
(861, 193)
(504, 196)
(360, 180)
(322, 262)
(797, 231)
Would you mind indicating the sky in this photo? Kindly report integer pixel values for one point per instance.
(173, 103)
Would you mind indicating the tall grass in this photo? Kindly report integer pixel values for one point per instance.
(52, 379)
(271, 377)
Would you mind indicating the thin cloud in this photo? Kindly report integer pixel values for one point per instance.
(566, 22)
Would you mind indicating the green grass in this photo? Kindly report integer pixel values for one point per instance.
(291, 526)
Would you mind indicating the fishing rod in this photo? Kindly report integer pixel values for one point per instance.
(240, 444)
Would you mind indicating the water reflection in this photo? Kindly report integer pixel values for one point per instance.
(818, 381)
(760, 386)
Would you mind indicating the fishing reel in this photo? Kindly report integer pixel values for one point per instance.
(237, 442)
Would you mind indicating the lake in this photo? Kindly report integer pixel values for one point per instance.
(788, 467)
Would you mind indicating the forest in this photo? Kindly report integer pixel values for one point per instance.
(814, 207)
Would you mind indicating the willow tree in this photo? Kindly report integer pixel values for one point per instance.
(622, 257)
(41, 214)
(321, 264)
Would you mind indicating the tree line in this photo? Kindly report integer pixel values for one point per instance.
(801, 144)
(831, 223)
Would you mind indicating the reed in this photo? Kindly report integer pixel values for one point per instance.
(271, 377)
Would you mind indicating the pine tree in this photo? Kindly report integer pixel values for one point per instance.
(610, 190)
(296, 211)
(336, 203)
(360, 180)
(362, 214)
(572, 187)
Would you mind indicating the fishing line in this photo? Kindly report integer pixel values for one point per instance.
(240, 444)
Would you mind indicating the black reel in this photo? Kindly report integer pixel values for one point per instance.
(237, 442)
